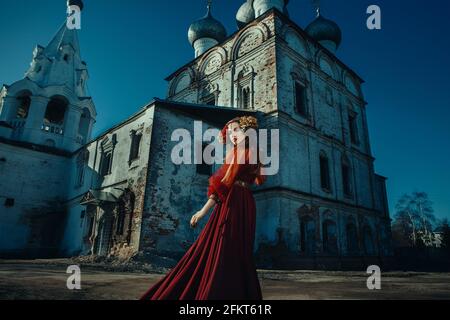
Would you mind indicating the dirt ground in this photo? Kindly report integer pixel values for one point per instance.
(44, 280)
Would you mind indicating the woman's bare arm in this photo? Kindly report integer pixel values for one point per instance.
(203, 212)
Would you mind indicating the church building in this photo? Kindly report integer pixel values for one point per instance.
(65, 194)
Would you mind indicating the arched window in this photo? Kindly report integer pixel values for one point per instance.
(324, 172)
(106, 155)
(308, 236)
(329, 237)
(346, 177)
(245, 87)
(135, 145)
(300, 98)
(83, 127)
(23, 107)
(105, 163)
(55, 112)
(246, 98)
(353, 126)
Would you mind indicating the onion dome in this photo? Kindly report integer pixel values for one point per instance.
(322, 29)
(245, 14)
(207, 27)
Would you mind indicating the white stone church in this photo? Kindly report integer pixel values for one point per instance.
(65, 194)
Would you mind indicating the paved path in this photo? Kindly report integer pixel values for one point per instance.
(33, 280)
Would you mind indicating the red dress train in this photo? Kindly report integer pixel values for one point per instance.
(219, 265)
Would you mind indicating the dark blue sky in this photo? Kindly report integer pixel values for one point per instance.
(131, 46)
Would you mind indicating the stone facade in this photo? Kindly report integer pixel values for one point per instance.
(120, 195)
(266, 59)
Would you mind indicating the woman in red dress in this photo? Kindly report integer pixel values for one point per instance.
(219, 265)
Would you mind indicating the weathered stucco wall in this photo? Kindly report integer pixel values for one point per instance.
(123, 174)
(36, 182)
(173, 192)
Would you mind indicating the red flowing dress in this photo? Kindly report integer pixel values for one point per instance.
(219, 265)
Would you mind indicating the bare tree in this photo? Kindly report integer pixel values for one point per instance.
(414, 218)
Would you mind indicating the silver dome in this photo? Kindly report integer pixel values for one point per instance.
(245, 14)
(323, 29)
(207, 27)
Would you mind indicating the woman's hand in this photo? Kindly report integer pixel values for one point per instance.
(196, 218)
(200, 214)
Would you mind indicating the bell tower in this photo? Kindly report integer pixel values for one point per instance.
(51, 106)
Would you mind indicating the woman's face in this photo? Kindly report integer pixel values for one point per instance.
(235, 133)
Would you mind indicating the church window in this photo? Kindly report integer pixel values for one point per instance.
(24, 107)
(245, 84)
(352, 121)
(346, 180)
(300, 98)
(106, 156)
(135, 146)
(55, 112)
(246, 98)
(324, 172)
(83, 126)
(105, 163)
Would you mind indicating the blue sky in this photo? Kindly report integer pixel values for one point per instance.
(131, 46)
